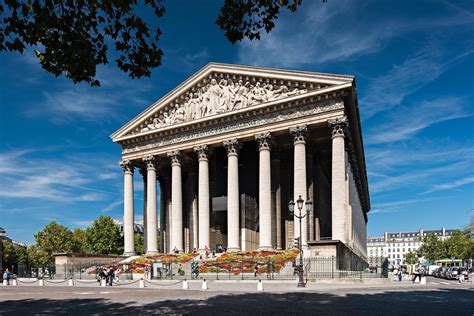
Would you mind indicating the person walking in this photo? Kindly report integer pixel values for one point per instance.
(417, 274)
(256, 270)
(7, 275)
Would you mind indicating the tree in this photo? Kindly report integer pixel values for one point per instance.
(72, 37)
(12, 255)
(103, 237)
(432, 248)
(9, 255)
(79, 238)
(38, 257)
(411, 257)
(139, 244)
(458, 245)
(54, 238)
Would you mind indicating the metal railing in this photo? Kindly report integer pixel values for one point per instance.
(314, 268)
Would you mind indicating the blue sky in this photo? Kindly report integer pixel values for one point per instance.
(413, 62)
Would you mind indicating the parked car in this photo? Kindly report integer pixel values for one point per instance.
(439, 273)
(452, 273)
(464, 271)
(442, 272)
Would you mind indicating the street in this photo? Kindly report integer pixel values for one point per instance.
(436, 298)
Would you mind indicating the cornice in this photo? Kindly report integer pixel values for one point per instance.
(237, 70)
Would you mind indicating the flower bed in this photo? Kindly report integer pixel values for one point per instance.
(238, 262)
(137, 265)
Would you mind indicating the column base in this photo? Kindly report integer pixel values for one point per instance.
(233, 249)
(129, 253)
(265, 248)
(151, 253)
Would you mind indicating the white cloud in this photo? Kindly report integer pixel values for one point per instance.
(410, 120)
(59, 179)
(336, 31)
(414, 179)
(450, 185)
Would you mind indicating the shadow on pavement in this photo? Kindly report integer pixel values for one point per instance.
(434, 302)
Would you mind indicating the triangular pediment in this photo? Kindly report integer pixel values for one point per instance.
(217, 89)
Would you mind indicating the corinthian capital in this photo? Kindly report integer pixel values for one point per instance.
(150, 162)
(127, 166)
(175, 157)
(338, 126)
(299, 133)
(264, 140)
(232, 146)
(202, 152)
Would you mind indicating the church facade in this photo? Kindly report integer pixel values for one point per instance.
(231, 146)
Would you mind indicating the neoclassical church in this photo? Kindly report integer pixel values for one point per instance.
(231, 146)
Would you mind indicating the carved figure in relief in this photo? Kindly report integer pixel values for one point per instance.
(214, 93)
(179, 114)
(225, 96)
(216, 98)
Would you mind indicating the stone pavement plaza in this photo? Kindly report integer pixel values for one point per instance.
(242, 298)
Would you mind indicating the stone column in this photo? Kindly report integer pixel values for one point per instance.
(276, 201)
(128, 211)
(203, 197)
(193, 208)
(339, 225)
(168, 212)
(162, 215)
(233, 210)
(176, 201)
(264, 191)
(143, 172)
(310, 194)
(151, 235)
(299, 179)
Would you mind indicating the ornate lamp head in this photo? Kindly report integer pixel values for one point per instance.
(300, 202)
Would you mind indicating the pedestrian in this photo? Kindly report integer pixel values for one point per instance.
(110, 275)
(400, 274)
(7, 276)
(416, 274)
(268, 269)
(256, 270)
(206, 250)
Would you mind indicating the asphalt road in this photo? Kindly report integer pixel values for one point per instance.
(391, 299)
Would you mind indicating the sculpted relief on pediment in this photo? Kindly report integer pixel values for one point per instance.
(219, 95)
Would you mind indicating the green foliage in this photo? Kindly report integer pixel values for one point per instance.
(54, 238)
(247, 18)
(459, 245)
(38, 257)
(411, 257)
(103, 237)
(12, 255)
(72, 38)
(139, 244)
(79, 238)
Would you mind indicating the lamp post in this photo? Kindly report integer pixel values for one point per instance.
(309, 207)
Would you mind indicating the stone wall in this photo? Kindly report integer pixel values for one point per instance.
(83, 259)
(358, 227)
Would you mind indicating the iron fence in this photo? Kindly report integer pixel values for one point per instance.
(314, 268)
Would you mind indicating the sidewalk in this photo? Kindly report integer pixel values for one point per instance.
(230, 285)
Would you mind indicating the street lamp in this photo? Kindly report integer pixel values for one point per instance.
(309, 208)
